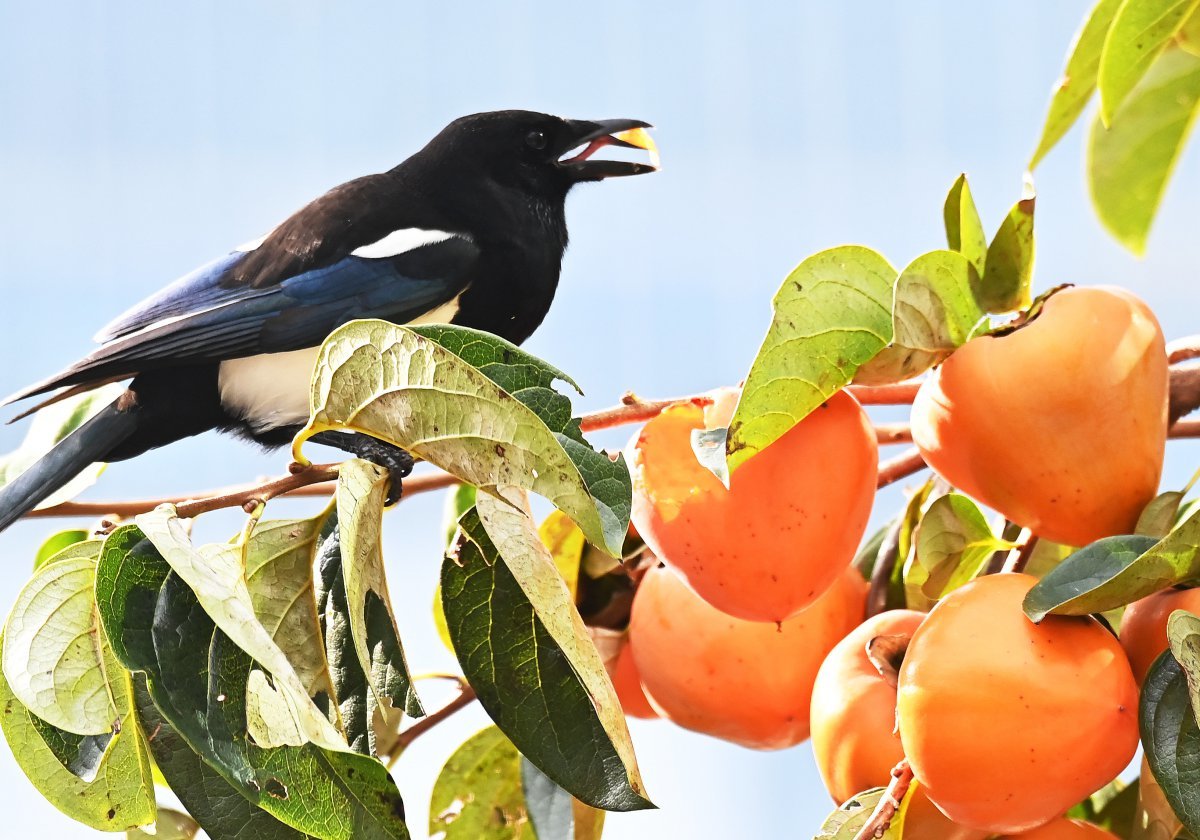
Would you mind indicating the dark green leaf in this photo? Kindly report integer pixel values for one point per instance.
(1130, 163)
(868, 552)
(1091, 580)
(525, 651)
(964, 228)
(222, 811)
(1139, 33)
(1116, 571)
(411, 388)
(1004, 287)
(197, 679)
(1171, 738)
(1074, 89)
(833, 313)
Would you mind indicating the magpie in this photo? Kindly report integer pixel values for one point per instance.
(470, 230)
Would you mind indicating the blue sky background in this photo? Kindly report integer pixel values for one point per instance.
(140, 140)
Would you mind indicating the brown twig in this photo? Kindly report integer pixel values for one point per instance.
(902, 466)
(901, 393)
(887, 433)
(881, 818)
(466, 696)
(1020, 557)
(1183, 349)
(885, 564)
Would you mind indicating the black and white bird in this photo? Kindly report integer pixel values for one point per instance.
(470, 230)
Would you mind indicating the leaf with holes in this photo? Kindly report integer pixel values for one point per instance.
(933, 313)
(474, 405)
(197, 679)
(1130, 163)
(477, 795)
(832, 315)
(528, 655)
(1078, 81)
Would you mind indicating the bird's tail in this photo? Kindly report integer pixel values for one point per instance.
(90, 443)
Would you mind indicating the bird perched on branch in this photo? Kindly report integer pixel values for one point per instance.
(470, 230)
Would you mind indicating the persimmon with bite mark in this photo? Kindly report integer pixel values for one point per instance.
(1060, 425)
(1007, 723)
(744, 681)
(787, 526)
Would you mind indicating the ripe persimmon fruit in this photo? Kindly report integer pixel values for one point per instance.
(749, 682)
(853, 711)
(1144, 626)
(1064, 829)
(1059, 425)
(787, 526)
(1007, 723)
(628, 685)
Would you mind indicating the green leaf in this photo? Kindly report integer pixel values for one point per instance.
(459, 499)
(53, 652)
(1096, 578)
(198, 677)
(933, 313)
(1005, 285)
(1074, 89)
(868, 552)
(529, 657)
(848, 820)
(1183, 635)
(1130, 163)
(280, 555)
(954, 542)
(1188, 36)
(362, 489)
(478, 794)
(486, 413)
(1140, 31)
(964, 228)
(1116, 571)
(906, 571)
(832, 314)
(1171, 738)
(170, 825)
(1158, 517)
(217, 574)
(58, 543)
(118, 793)
(49, 426)
(356, 704)
(217, 805)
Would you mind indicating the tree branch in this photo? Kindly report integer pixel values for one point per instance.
(902, 466)
(881, 818)
(466, 696)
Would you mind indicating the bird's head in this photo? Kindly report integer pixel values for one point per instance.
(541, 153)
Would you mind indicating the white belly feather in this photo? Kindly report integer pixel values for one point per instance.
(270, 390)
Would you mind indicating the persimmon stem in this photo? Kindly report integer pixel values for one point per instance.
(881, 818)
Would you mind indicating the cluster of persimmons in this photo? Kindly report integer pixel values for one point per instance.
(751, 626)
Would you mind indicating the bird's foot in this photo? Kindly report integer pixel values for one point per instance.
(398, 462)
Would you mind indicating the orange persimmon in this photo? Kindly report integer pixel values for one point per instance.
(1144, 626)
(1007, 723)
(744, 681)
(1059, 425)
(787, 526)
(1064, 829)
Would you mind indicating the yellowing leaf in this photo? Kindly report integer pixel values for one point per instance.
(1139, 33)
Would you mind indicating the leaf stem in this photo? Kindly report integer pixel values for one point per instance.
(881, 818)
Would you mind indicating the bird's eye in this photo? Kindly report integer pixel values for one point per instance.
(536, 140)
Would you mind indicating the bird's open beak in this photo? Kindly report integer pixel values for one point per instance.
(591, 137)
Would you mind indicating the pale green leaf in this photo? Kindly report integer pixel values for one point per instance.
(849, 819)
(53, 657)
(362, 490)
(477, 795)
(1188, 36)
(403, 386)
(1139, 33)
(217, 575)
(1078, 81)
(1130, 163)
(1159, 515)
(57, 544)
(458, 500)
(1005, 286)
(964, 228)
(280, 556)
(49, 426)
(832, 314)
(933, 311)
(954, 542)
(170, 825)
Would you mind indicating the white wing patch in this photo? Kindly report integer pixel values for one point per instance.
(399, 241)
